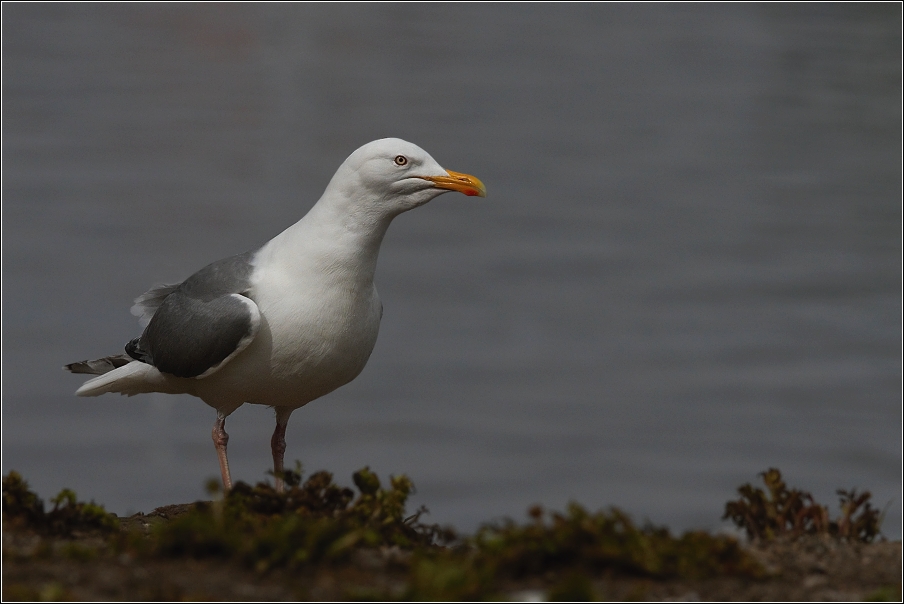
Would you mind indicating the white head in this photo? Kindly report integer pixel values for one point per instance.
(389, 176)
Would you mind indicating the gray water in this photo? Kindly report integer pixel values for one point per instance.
(688, 268)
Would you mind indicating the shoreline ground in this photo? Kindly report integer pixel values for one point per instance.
(180, 552)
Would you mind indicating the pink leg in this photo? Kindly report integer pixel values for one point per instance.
(278, 446)
(220, 438)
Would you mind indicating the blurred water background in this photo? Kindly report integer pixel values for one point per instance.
(688, 268)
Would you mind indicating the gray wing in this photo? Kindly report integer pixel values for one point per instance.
(203, 323)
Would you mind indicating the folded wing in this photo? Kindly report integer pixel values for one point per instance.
(203, 323)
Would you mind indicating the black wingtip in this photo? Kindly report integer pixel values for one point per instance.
(98, 366)
(81, 367)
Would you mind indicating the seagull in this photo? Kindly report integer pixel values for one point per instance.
(289, 322)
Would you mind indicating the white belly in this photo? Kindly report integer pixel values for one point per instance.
(316, 335)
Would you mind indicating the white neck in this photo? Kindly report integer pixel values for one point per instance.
(332, 238)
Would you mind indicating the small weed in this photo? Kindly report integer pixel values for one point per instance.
(780, 511)
(862, 526)
(21, 505)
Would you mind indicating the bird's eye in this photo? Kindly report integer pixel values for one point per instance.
(401, 160)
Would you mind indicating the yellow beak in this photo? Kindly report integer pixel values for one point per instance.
(456, 181)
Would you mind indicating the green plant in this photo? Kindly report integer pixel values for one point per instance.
(610, 541)
(311, 522)
(21, 505)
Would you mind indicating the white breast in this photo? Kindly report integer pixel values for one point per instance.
(319, 324)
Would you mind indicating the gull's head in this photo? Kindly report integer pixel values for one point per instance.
(390, 176)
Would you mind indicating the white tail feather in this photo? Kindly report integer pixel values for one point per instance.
(134, 378)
